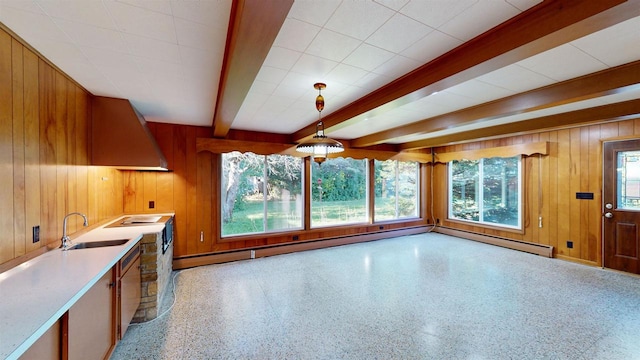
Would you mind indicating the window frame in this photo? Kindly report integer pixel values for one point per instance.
(521, 174)
(367, 197)
(265, 212)
(418, 188)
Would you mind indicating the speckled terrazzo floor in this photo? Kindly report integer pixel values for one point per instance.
(426, 296)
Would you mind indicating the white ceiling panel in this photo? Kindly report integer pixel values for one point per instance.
(397, 66)
(516, 78)
(478, 18)
(281, 58)
(152, 49)
(271, 75)
(210, 13)
(196, 35)
(143, 22)
(93, 36)
(90, 13)
(296, 35)
(166, 56)
(435, 13)
(313, 11)
(368, 57)
(358, 19)
(398, 33)
(331, 45)
(345, 73)
(480, 91)
(614, 46)
(21, 22)
(563, 63)
(313, 66)
(524, 4)
(431, 46)
(160, 6)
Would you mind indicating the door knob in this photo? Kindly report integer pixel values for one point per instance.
(608, 215)
(608, 206)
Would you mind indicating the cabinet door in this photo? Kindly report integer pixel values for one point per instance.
(47, 347)
(130, 295)
(91, 322)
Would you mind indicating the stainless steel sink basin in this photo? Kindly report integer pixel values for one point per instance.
(97, 244)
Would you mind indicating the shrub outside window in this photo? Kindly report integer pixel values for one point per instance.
(486, 191)
(260, 193)
(339, 192)
(396, 189)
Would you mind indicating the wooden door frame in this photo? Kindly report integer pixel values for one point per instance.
(601, 245)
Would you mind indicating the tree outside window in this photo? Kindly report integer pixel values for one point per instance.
(486, 191)
(260, 193)
(338, 192)
(396, 189)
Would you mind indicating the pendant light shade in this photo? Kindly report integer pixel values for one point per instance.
(320, 145)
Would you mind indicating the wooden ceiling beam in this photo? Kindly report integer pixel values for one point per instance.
(611, 112)
(253, 27)
(546, 25)
(605, 82)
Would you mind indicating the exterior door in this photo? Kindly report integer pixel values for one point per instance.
(622, 205)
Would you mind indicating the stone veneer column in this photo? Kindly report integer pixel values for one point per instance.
(155, 273)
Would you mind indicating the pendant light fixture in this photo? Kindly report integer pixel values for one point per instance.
(320, 145)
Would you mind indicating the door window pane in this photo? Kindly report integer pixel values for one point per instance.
(628, 181)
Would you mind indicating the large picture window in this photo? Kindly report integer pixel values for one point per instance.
(339, 192)
(486, 191)
(396, 190)
(260, 193)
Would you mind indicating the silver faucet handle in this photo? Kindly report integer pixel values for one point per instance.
(66, 243)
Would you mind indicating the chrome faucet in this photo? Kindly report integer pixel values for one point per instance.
(66, 242)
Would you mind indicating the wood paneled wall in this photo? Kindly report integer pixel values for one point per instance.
(44, 154)
(550, 185)
(191, 189)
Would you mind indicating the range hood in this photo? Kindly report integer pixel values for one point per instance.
(120, 137)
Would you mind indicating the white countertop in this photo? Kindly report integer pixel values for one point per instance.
(35, 294)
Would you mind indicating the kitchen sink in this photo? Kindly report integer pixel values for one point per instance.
(97, 244)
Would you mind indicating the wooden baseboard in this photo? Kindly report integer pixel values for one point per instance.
(538, 249)
(246, 254)
(579, 261)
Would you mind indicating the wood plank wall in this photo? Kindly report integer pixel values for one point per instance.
(550, 185)
(191, 189)
(44, 154)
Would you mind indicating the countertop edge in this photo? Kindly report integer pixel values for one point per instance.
(139, 232)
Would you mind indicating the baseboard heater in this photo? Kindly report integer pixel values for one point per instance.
(538, 249)
(277, 249)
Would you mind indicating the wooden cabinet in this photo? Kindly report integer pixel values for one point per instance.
(128, 289)
(47, 347)
(91, 321)
(94, 324)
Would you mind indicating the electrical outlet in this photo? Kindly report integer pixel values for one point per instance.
(295, 237)
(35, 233)
(381, 227)
(253, 254)
(437, 221)
(570, 244)
(152, 204)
